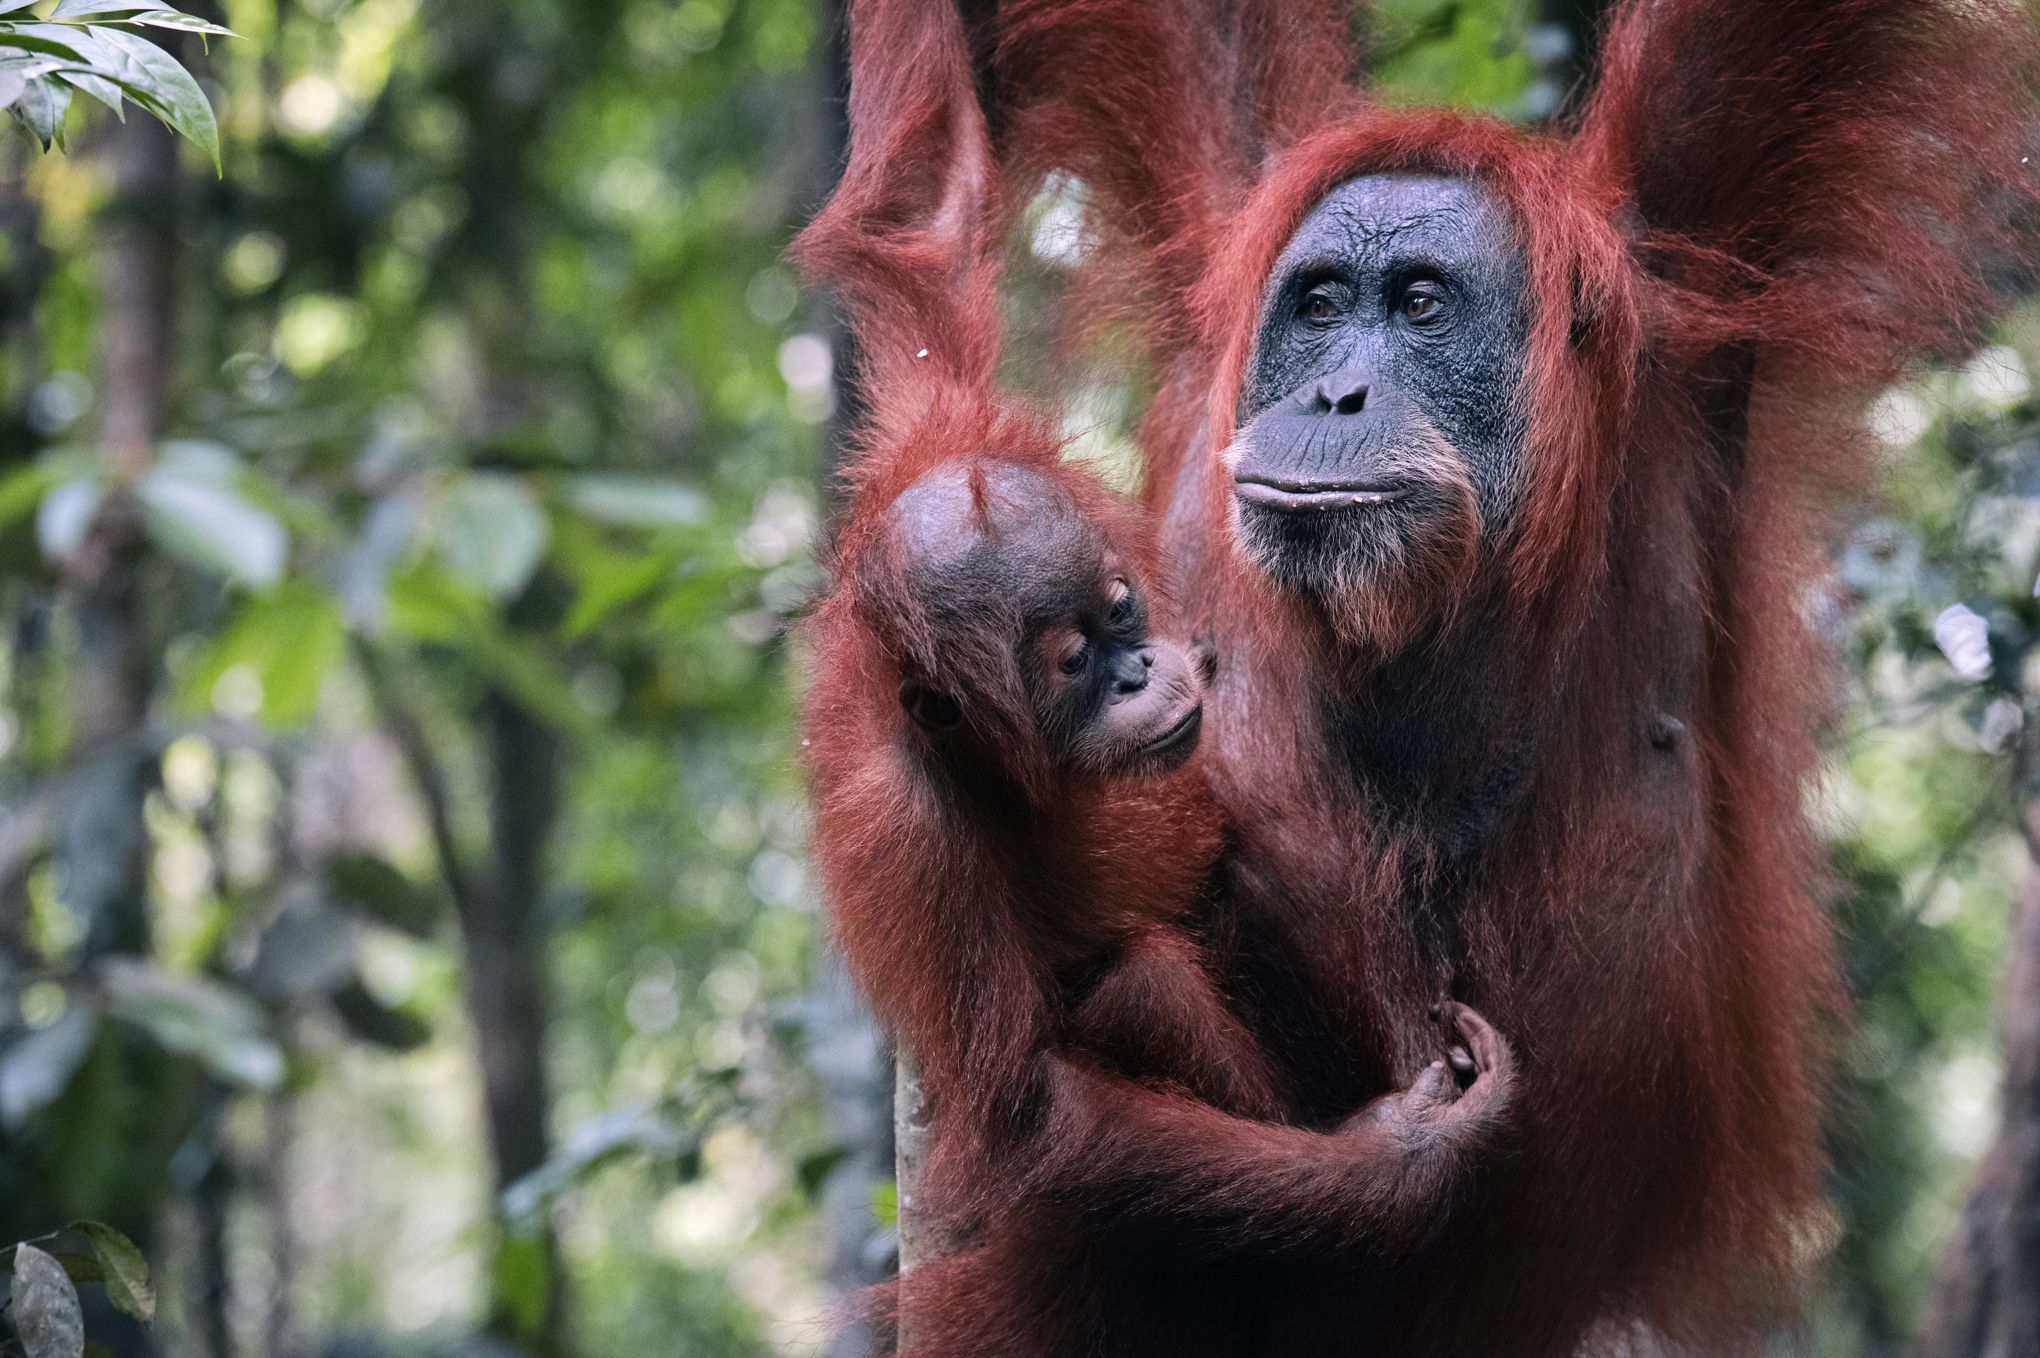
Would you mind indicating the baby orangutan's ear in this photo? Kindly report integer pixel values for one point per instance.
(931, 709)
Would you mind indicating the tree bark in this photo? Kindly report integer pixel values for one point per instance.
(101, 842)
(503, 952)
(506, 990)
(1986, 1302)
(102, 863)
(913, 1126)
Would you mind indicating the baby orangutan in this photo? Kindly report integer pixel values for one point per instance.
(1030, 781)
(1013, 848)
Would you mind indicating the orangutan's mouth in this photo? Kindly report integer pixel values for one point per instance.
(1295, 495)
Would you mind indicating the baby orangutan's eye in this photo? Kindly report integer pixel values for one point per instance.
(1120, 602)
(1062, 650)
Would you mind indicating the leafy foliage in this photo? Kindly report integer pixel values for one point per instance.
(505, 430)
(91, 46)
(44, 1313)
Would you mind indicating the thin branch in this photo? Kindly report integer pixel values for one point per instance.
(416, 749)
(1892, 942)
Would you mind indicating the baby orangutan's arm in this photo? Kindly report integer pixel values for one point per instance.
(1157, 1014)
(1383, 1181)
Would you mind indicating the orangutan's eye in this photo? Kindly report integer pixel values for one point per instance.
(1422, 304)
(1120, 608)
(1320, 307)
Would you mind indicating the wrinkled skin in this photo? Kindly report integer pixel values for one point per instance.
(1379, 439)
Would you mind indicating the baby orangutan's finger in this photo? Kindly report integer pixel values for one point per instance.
(1486, 1046)
(1434, 1089)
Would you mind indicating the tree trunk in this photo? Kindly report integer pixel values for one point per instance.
(1986, 1302)
(913, 1124)
(102, 858)
(848, 1060)
(506, 990)
(279, 1314)
(503, 964)
(101, 846)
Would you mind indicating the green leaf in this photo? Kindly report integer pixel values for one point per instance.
(155, 80)
(121, 1268)
(426, 603)
(523, 1278)
(65, 517)
(212, 526)
(885, 1202)
(64, 62)
(205, 460)
(371, 887)
(600, 1139)
(305, 954)
(46, 1314)
(79, 9)
(183, 23)
(637, 501)
(20, 68)
(611, 582)
(203, 1019)
(36, 1071)
(14, 6)
(41, 108)
(21, 490)
(291, 637)
(492, 534)
(45, 40)
(369, 1019)
(701, 595)
(530, 673)
(814, 1170)
(99, 87)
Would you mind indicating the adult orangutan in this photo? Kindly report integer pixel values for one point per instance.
(1494, 464)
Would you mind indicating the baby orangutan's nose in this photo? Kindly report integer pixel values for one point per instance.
(1130, 671)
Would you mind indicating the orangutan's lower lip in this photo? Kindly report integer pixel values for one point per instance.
(1186, 729)
(1303, 496)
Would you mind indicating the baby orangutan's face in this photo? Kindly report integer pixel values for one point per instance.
(1112, 700)
(1006, 556)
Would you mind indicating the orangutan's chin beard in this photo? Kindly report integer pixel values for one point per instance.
(1378, 565)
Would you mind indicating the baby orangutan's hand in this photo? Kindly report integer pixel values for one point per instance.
(1434, 1105)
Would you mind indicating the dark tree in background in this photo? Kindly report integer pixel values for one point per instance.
(400, 535)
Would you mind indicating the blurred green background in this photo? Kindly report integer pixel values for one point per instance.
(404, 934)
